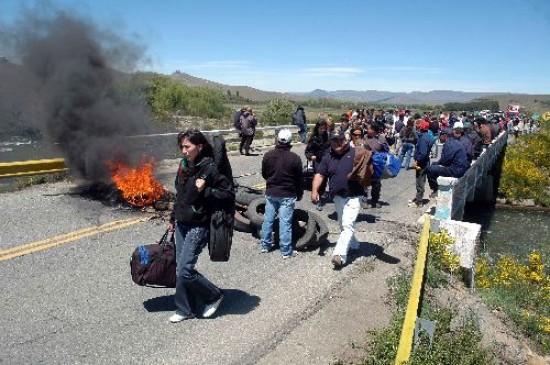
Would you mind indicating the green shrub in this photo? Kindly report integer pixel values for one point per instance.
(459, 345)
(167, 97)
(278, 112)
(526, 168)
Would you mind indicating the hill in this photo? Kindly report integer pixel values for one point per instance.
(434, 97)
(245, 92)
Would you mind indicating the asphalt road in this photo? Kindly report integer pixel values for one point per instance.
(74, 302)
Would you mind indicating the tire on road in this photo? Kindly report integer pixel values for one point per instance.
(306, 235)
(321, 231)
(241, 223)
(255, 212)
(302, 236)
(244, 196)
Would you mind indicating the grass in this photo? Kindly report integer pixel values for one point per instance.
(20, 183)
(456, 341)
(520, 289)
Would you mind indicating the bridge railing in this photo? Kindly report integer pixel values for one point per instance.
(464, 188)
(265, 137)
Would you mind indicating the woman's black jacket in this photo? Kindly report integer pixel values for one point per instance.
(194, 208)
(318, 146)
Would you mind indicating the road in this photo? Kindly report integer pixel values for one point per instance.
(70, 299)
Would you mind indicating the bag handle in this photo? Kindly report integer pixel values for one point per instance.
(163, 241)
(164, 237)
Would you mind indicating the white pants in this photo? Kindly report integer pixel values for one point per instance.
(347, 210)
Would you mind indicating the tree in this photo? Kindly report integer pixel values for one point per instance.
(278, 112)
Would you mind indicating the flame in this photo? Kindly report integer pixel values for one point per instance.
(137, 185)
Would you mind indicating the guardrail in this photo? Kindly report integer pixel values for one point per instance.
(464, 188)
(48, 166)
(413, 305)
(34, 167)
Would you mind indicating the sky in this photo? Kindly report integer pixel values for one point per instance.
(299, 46)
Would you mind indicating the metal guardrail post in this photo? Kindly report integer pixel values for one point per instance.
(409, 324)
(48, 166)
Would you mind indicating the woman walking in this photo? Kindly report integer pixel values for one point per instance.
(199, 186)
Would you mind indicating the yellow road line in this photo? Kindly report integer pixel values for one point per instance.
(260, 186)
(405, 342)
(60, 237)
(68, 237)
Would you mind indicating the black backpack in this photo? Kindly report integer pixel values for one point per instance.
(237, 120)
(223, 213)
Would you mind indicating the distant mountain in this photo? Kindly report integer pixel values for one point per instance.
(389, 97)
(368, 96)
(245, 92)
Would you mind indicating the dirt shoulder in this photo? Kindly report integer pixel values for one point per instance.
(339, 329)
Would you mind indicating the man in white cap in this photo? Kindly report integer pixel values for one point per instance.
(458, 133)
(282, 171)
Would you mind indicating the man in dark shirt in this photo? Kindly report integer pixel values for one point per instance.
(453, 161)
(458, 133)
(347, 193)
(421, 162)
(248, 130)
(282, 171)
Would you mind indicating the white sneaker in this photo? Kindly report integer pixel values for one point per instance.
(211, 308)
(176, 317)
(293, 254)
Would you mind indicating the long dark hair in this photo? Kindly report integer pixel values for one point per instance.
(320, 123)
(196, 137)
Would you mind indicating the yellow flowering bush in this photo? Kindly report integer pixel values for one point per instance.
(520, 289)
(526, 168)
(522, 179)
(440, 245)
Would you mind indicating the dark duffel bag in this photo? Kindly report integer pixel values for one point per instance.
(155, 265)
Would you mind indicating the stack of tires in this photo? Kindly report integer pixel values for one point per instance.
(308, 229)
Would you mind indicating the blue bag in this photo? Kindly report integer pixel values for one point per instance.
(385, 164)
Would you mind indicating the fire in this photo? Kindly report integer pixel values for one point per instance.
(137, 185)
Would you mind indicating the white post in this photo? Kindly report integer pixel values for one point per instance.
(444, 202)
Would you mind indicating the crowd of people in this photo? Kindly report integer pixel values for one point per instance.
(332, 150)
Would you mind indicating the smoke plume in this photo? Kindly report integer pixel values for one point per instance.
(72, 76)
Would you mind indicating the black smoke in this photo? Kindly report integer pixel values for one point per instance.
(70, 79)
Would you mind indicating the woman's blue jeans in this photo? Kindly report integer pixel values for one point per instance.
(190, 284)
(284, 207)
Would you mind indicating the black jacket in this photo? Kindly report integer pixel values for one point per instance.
(282, 171)
(477, 142)
(194, 208)
(299, 117)
(318, 146)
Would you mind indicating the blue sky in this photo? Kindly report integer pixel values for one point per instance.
(392, 45)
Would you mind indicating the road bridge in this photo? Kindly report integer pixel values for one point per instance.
(73, 301)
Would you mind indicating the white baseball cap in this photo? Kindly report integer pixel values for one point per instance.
(458, 125)
(284, 136)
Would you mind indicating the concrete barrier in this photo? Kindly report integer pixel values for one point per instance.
(34, 167)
